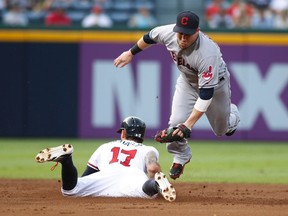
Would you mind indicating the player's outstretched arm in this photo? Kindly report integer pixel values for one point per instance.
(126, 57)
(200, 107)
(152, 164)
(190, 122)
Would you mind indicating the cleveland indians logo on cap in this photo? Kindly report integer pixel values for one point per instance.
(184, 21)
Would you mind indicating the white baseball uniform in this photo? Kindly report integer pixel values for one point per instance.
(122, 171)
(201, 66)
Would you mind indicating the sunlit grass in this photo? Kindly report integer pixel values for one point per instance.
(211, 162)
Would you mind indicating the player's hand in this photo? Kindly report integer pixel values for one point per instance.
(171, 134)
(181, 130)
(152, 169)
(177, 132)
(124, 59)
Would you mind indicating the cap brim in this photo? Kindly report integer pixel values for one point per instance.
(184, 30)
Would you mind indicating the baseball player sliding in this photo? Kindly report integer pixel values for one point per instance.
(203, 85)
(121, 168)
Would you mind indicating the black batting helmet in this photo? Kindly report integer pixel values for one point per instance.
(134, 127)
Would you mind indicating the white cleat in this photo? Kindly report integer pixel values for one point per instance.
(55, 154)
(165, 188)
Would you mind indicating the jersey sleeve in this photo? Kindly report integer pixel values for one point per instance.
(159, 34)
(208, 72)
(94, 160)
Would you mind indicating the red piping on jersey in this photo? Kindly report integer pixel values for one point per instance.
(92, 166)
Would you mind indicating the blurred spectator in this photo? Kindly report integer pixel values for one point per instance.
(105, 4)
(281, 20)
(37, 11)
(41, 5)
(15, 16)
(142, 19)
(97, 18)
(2, 5)
(278, 5)
(262, 19)
(21, 3)
(57, 17)
(221, 20)
(241, 13)
(62, 3)
(82, 5)
(212, 9)
(260, 4)
(279, 9)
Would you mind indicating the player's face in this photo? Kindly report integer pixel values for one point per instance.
(185, 41)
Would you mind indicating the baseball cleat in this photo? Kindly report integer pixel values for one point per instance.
(55, 154)
(164, 187)
(176, 170)
(230, 133)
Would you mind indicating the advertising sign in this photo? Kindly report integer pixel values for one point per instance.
(144, 88)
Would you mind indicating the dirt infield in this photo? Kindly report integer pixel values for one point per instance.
(43, 197)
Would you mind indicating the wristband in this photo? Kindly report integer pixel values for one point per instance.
(135, 49)
(202, 105)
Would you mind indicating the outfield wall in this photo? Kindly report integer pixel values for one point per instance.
(59, 83)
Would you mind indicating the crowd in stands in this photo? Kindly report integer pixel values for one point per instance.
(85, 13)
(226, 14)
(247, 14)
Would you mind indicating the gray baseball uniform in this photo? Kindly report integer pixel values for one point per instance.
(201, 66)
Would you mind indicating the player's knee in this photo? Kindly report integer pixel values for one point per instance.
(149, 187)
(220, 132)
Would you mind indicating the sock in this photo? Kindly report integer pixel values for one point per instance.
(69, 174)
(150, 188)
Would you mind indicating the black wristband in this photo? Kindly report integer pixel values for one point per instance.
(135, 49)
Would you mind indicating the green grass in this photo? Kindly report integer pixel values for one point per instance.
(212, 161)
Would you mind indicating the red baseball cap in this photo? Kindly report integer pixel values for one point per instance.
(187, 23)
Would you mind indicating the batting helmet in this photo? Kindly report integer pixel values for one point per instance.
(134, 127)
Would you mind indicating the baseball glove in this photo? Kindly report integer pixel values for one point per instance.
(165, 135)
